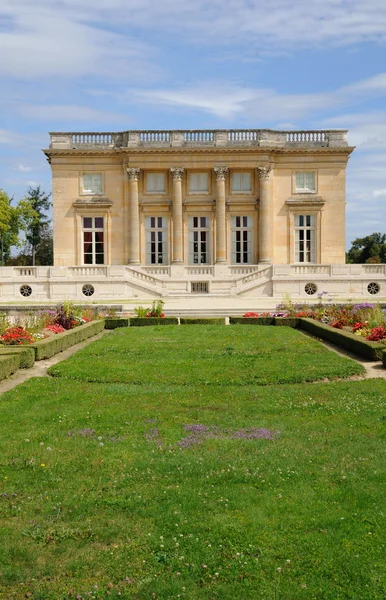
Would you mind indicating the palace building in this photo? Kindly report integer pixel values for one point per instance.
(222, 213)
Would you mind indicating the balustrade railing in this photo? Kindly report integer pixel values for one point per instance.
(198, 136)
(373, 269)
(154, 137)
(157, 270)
(244, 135)
(242, 270)
(215, 137)
(88, 271)
(200, 270)
(259, 274)
(95, 139)
(311, 269)
(25, 271)
(306, 137)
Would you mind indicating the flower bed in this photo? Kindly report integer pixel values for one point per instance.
(37, 336)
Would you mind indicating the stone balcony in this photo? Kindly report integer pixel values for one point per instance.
(216, 138)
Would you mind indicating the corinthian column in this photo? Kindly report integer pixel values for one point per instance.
(265, 215)
(133, 231)
(221, 251)
(178, 252)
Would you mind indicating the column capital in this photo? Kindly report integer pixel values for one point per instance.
(177, 173)
(133, 173)
(264, 172)
(220, 173)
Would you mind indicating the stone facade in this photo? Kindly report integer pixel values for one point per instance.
(266, 178)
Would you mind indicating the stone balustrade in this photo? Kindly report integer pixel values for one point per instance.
(189, 138)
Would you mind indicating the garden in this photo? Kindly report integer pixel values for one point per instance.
(198, 463)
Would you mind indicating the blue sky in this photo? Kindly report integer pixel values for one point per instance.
(106, 65)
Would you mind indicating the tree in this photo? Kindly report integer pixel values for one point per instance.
(33, 218)
(370, 249)
(9, 226)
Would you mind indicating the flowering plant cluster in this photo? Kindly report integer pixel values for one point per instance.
(16, 336)
(377, 334)
(251, 315)
(32, 327)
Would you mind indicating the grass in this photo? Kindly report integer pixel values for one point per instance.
(206, 355)
(166, 491)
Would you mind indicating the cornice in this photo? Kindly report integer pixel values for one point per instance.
(95, 202)
(347, 150)
(305, 200)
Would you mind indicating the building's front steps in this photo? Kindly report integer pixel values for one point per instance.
(253, 283)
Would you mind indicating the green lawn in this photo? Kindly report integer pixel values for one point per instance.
(200, 355)
(173, 490)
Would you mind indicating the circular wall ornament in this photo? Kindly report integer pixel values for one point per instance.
(373, 288)
(310, 289)
(25, 290)
(88, 289)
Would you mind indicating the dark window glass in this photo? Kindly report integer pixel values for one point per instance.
(87, 222)
(99, 222)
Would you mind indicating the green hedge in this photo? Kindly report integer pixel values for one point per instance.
(286, 321)
(62, 341)
(251, 320)
(115, 323)
(146, 321)
(8, 365)
(349, 341)
(26, 353)
(203, 321)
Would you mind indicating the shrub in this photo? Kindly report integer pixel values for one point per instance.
(141, 311)
(143, 322)
(250, 320)
(203, 321)
(115, 323)
(377, 334)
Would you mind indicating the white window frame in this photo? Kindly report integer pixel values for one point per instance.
(91, 190)
(204, 189)
(244, 228)
(94, 230)
(160, 232)
(305, 232)
(196, 233)
(155, 191)
(242, 190)
(305, 188)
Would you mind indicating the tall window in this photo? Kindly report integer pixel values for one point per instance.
(242, 235)
(199, 232)
(305, 181)
(156, 241)
(93, 241)
(92, 183)
(198, 182)
(155, 183)
(305, 243)
(241, 182)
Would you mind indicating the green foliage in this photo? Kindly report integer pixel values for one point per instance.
(57, 343)
(147, 321)
(286, 321)
(370, 249)
(203, 321)
(26, 354)
(9, 364)
(5, 322)
(141, 311)
(251, 320)
(33, 218)
(115, 323)
(156, 309)
(9, 226)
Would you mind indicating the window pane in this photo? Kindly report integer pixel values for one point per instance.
(299, 181)
(99, 259)
(246, 182)
(198, 182)
(236, 182)
(155, 182)
(88, 259)
(87, 222)
(310, 181)
(99, 222)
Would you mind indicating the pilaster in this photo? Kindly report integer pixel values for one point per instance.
(133, 225)
(265, 215)
(221, 253)
(177, 245)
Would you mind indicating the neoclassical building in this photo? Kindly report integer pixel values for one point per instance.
(223, 212)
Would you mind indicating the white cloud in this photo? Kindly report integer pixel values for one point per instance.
(271, 25)
(37, 44)
(24, 168)
(379, 193)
